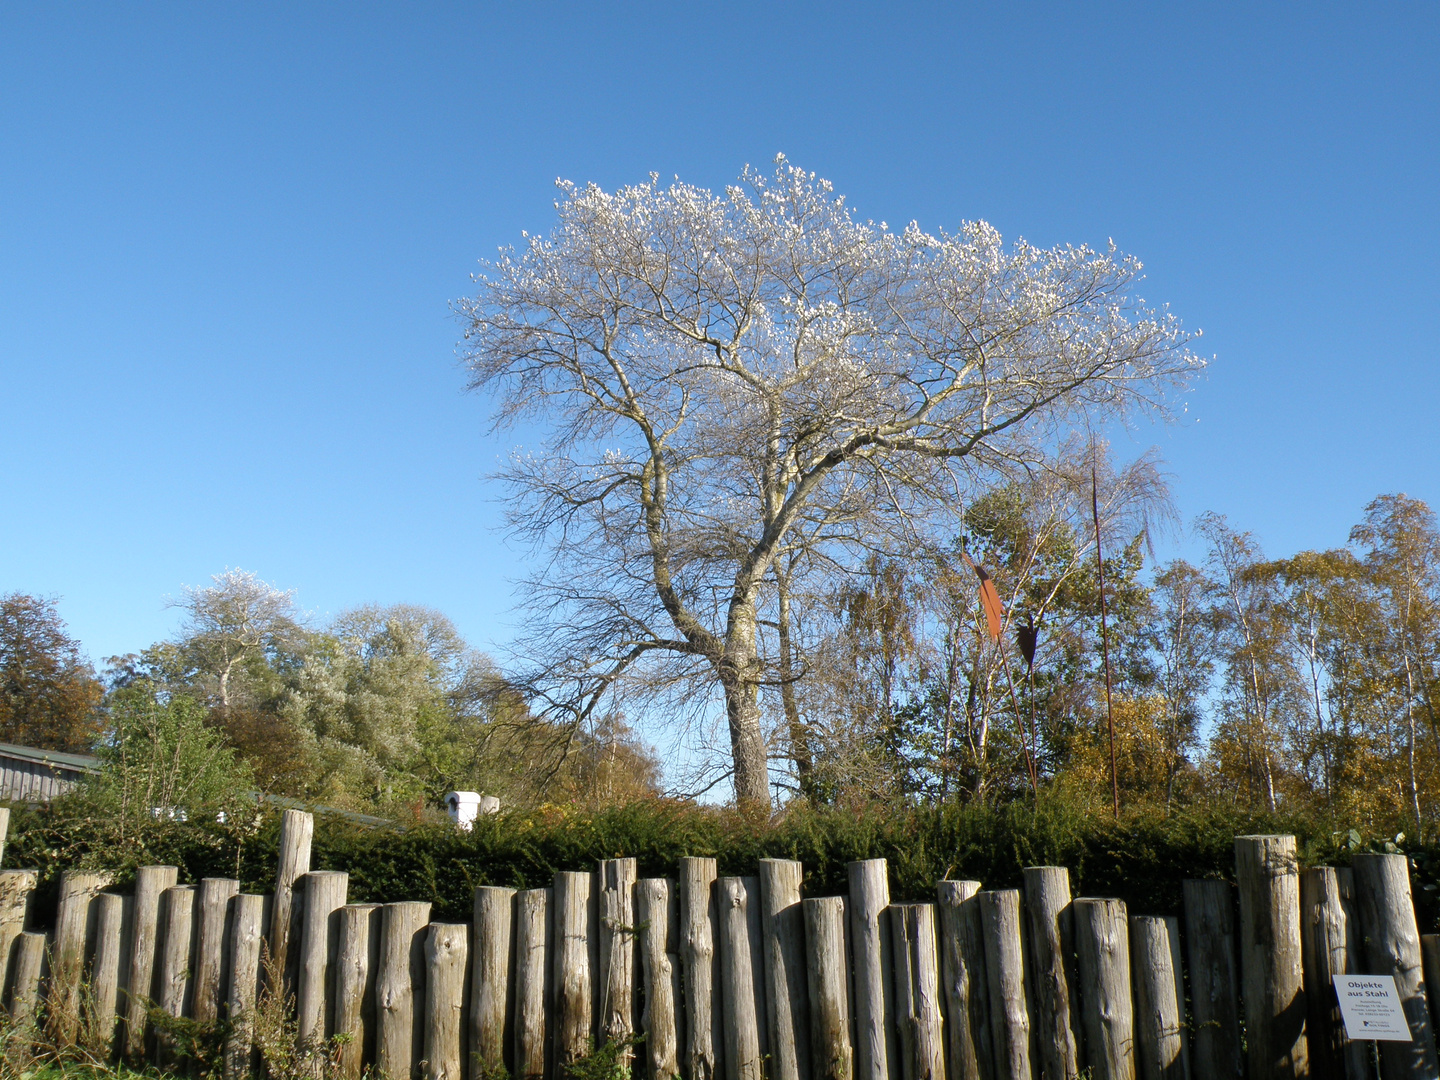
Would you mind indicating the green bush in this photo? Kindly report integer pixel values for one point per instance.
(1143, 858)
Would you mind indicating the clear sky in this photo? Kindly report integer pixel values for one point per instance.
(229, 235)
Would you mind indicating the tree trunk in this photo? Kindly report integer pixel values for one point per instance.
(738, 671)
(799, 736)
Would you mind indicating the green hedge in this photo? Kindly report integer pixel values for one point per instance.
(1142, 859)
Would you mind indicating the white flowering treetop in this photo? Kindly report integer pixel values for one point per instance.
(724, 380)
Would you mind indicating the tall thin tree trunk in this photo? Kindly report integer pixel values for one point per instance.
(800, 751)
(738, 677)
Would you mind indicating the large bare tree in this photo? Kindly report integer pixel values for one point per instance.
(720, 380)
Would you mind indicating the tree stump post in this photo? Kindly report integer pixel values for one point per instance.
(782, 925)
(1329, 946)
(74, 931)
(532, 989)
(108, 977)
(400, 990)
(657, 907)
(1215, 1046)
(615, 980)
(917, 991)
(357, 966)
(1268, 878)
(1159, 998)
(249, 915)
(876, 1037)
(1001, 926)
(742, 972)
(962, 970)
(17, 888)
(150, 884)
(703, 1028)
(177, 961)
(1102, 948)
(1052, 950)
(212, 945)
(492, 987)
(576, 916)
(447, 953)
(297, 828)
(827, 955)
(29, 968)
(315, 1004)
(1386, 914)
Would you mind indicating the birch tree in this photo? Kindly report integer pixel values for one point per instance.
(719, 379)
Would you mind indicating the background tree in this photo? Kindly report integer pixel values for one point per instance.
(48, 690)
(724, 378)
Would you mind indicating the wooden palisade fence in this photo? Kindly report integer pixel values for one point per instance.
(741, 978)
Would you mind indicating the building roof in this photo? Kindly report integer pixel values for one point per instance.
(86, 763)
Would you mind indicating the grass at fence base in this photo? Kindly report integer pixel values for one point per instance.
(1142, 859)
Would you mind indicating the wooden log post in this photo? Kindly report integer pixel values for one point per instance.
(1160, 1041)
(400, 990)
(324, 896)
(703, 1027)
(357, 964)
(782, 927)
(742, 976)
(32, 954)
(74, 931)
(108, 974)
(827, 971)
(492, 985)
(212, 945)
(532, 990)
(1102, 953)
(17, 889)
(4, 829)
(575, 916)
(249, 913)
(1329, 946)
(1273, 990)
(447, 955)
(1002, 929)
(876, 1045)
(1052, 971)
(177, 961)
(657, 907)
(150, 884)
(615, 999)
(1391, 940)
(297, 829)
(1215, 1047)
(917, 991)
(962, 971)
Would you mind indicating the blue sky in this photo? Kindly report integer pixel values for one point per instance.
(229, 235)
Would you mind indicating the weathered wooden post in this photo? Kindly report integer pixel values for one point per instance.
(1102, 948)
(492, 986)
(782, 926)
(742, 978)
(1159, 998)
(576, 919)
(1215, 1046)
(657, 907)
(447, 951)
(212, 945)
(400, 990)
(357, 966)
(28, 968)
(827, 956)
(1268, 878)
(74, 929)
(1329, 946)
(1386, 914)
(615, 974)
(4, 829)
(249, 913)
(962, 967)
(917, 991)
(876, 1036)
(297, 828)
(315, 1005)
(1052, 948)
(1000, 920)
(177, 959)
(108, 977)
(703, 1028)
(16, 890)
(150, 884)
(532, 991)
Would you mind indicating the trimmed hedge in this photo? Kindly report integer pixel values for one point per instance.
(1142, 858)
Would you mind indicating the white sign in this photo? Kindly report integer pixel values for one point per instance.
(1371, 1008)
